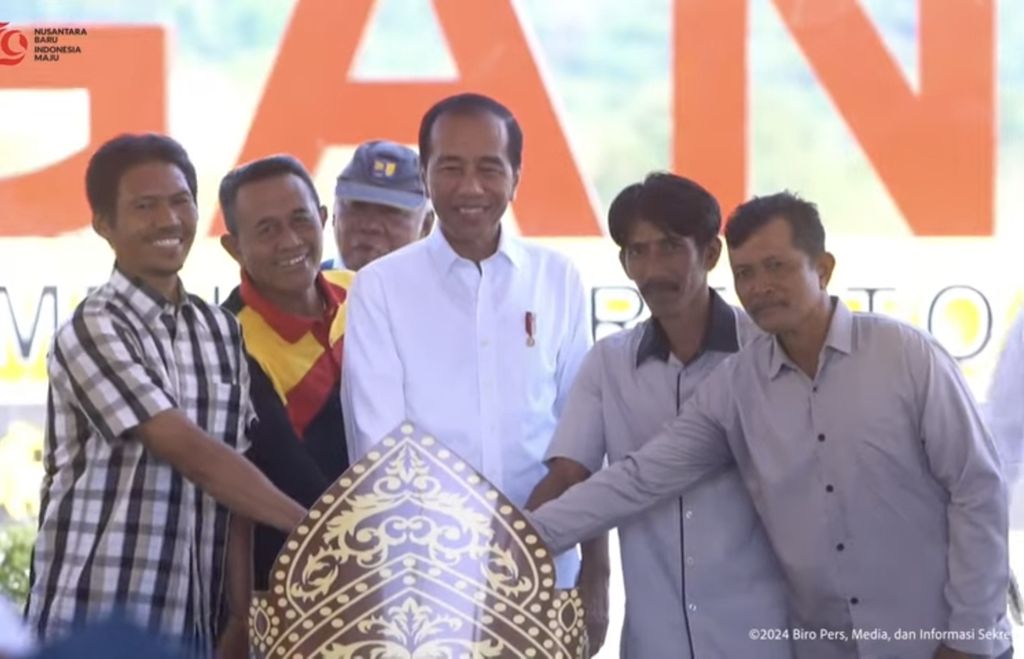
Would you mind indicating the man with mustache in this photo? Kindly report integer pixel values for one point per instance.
(148, 412)
(380, 204)
(861, 447)
(293, 321)
(698, 570)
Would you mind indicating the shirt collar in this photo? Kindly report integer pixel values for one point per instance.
(445, 257)
(291, 327)
(719, 333)
(143, 298)
(839, 338)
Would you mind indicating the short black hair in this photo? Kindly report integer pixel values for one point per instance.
(471, 104)
(116, 156)
(675, 204)
(258, 170)
(801, 215)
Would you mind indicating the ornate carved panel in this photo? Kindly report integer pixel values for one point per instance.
(411, 554)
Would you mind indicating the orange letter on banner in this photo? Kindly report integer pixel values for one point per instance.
(309, 102)
(934, 149)
(709, 116)
(123, 71)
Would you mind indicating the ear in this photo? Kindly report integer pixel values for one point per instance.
(517, 175)
(824, 265)
(424, 178)
(428, 223)
(101, 224)
(230, 244)
(622, 261)
(712, 252)
(323, 216)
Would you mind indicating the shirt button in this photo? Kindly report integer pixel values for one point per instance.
(854, 600)
(840, 547)
(829, 488)
(689, 560)
(692, 608)
(814, 388)
(689, 514)
(821, 437)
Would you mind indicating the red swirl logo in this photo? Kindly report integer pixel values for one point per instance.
(13, 46)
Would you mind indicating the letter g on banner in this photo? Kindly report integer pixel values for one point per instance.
(13, 46)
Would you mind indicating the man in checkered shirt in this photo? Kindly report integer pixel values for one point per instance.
(147, 418)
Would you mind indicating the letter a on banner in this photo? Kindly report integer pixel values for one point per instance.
(310, 102)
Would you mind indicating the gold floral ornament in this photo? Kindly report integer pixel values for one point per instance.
(413, 555)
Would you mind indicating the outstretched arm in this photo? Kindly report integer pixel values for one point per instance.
(687, 450)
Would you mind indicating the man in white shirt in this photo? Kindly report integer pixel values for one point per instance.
(471, 333)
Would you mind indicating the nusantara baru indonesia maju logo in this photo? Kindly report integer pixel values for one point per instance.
(48, 43)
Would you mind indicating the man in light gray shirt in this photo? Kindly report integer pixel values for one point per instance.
(862, 449)
(698, 570)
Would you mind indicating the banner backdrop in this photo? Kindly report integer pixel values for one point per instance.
(903, 120)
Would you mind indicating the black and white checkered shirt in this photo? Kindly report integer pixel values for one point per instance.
(119, 528)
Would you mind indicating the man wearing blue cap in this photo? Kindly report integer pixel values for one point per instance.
(380, 204)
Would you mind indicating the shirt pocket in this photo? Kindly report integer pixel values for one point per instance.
(894, 471)
(890, 445)
(223, 412)
(537, 366)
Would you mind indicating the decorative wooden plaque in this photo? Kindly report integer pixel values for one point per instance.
(411, 554)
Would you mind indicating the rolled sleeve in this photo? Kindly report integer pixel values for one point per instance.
(580, 433)
(98, 364)
(963, 458)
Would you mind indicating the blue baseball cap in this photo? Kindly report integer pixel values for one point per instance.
(383, 172)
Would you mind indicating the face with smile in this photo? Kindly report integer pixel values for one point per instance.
(780, 285)
(279, 237)
(154, 223)
(470, 179)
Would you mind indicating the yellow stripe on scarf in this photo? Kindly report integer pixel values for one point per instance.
(287, 363)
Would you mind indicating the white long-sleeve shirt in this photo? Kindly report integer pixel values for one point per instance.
(435, 339)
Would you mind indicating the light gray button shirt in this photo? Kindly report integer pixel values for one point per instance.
(629, 386)
(876, 481)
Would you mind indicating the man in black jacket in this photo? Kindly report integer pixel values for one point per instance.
(293, 320)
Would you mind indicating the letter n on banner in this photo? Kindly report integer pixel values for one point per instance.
(933, 148)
